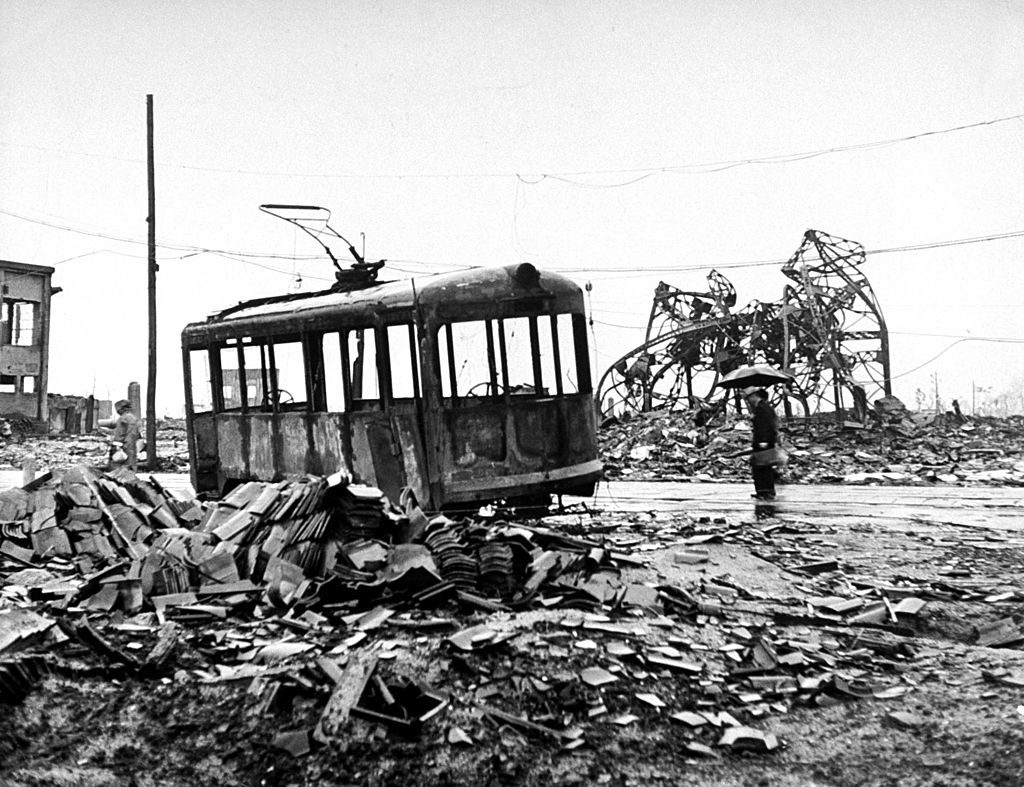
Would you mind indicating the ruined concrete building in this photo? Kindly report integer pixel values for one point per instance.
(25, 292)
(827, 330)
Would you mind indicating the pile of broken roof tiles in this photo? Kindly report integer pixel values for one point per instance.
(320, 585)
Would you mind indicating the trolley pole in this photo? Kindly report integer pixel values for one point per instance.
(151, 459)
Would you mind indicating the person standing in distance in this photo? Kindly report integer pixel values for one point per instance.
(127, 434)
(765, 435)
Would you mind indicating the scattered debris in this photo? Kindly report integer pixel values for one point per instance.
(315, 593)
(910, 449)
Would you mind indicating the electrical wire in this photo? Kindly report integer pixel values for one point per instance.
(1004, 340)
(786, 158)
(290, 274)
(604, 271)
(780, 261)
(690, 168)
(930, 360)
(944, 243)
(162, 244)
(616, 325)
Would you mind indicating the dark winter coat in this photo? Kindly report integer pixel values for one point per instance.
(766, 425)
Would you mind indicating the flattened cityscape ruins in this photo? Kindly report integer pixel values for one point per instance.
(508, 575)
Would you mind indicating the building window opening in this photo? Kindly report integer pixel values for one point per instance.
(19, 323)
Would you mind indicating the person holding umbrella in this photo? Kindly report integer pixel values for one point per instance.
(764, 438)
(765, 453)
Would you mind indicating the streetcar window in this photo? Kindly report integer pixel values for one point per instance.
(231, 384)
(521, 375)
(256, 374)
(468, 361)
(331, 373)
(202, 386)
(523, 355)
(404, 357)
(579, 342)
(446, 363)
(245, 377)
(287, 388)
(362, 358)
(566, 344)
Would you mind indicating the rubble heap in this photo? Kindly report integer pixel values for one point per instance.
(900, 448)
(330, 604)
(63, 451)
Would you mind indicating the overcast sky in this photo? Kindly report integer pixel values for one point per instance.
(587, 137)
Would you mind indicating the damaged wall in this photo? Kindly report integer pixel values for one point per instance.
(76, 414)
(25, 292)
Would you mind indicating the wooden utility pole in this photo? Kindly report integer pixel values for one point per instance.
(151, 458)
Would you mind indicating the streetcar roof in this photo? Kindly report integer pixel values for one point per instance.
(474, 293)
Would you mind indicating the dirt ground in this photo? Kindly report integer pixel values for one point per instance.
(938, 708)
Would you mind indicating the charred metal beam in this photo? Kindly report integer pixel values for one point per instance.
(827, 330)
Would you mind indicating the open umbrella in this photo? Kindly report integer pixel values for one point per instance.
(754, 377)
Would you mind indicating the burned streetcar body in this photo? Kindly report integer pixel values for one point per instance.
(465, 388)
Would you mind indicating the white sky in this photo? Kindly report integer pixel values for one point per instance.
(429, 127)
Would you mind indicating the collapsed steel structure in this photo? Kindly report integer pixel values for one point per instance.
(827, 331)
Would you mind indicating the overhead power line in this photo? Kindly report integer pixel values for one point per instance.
(949, 347)
(164, 244)
(591, 270)
(780, 261)
(640, 173)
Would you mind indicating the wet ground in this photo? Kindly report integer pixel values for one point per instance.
(1000, 508)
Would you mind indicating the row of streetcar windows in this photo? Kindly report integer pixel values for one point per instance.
(361, 369)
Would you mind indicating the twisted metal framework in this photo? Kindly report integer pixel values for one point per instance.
(827, 331)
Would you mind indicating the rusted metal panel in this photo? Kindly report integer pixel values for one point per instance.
(524, 448)
(362, 456)
(267, 446)
(328, 446)
(261, 447)
(386, 457)
(576, 479)
(203, 452)
(407, 432)
(475, 436)
(581, 428)
(232, 457)
(539, 436)
(292, 448)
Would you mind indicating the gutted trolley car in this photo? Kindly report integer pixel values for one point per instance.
(464, 388)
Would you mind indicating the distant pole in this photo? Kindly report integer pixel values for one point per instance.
(151, 386)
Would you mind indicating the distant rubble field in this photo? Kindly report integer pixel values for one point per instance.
(61, 451)
(913, 449)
